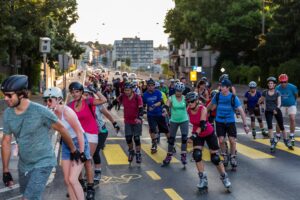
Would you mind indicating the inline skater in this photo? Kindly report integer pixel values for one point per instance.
(203, 132)
(202, 92)
(252, 107)
(30, 124)
(225, 104)
(133, 119)
(179, 118)
(289, 95)
(272, 102)
(187, 89)
(163, 88)
(152, 99)
(53, 98)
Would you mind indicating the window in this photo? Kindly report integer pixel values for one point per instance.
(193, 61)
(186, 61)
(199, 61)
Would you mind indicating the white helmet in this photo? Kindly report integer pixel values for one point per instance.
(252, 84)
(172, 80)
(135, 82)
(157, 84)
(179, 86)
(162, 81)
(53, 92)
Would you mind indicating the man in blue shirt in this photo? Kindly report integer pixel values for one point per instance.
(226, 104)
(289, 94)
(152, 98)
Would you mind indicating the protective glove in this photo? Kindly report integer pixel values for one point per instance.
(83, 157)
(116, 126)
(75, 156)
(7, 178)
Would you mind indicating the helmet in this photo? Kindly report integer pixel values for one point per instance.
(223, 76)
(172, 80)
(161, 81)
(157, 84)
(252, 84)
(86, 90)
(135, 82)
(53, 92)
(128, 85)
(15, 83)
(226, 82)
(191, 96)
(204, 79)
(177, 80)
(150, 82)
(271, 78)
(283, 78)
(213, 93)
(179, 87)
(75, 86)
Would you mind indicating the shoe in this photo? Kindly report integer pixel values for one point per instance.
(97, 175)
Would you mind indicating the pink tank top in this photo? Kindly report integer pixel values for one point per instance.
(195, 121)
(85, 116)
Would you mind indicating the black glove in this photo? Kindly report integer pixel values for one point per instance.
(116, 126)
(7, 178)
(194, 136)
(83, 157)
(110, 106)
(92, 88)
(75, 156)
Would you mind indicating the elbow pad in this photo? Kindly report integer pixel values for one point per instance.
(202, 125)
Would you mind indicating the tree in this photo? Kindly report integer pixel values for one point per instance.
(128, 61)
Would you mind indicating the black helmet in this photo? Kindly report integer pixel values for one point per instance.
(15, 83)
(128, 85)
(150, 82)
(191, 96)
(223, 76)
(75, 86)
(271, 78)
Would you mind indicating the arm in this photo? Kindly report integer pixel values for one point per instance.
(278, 101)
(107, 115)
(211, 107)
(6, 151)
(102, 99)
(71, 118)
(58, 126)
(243, 115)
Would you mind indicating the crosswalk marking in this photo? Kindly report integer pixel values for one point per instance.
(172, 194)
(251, 152)
(153, 175)
(281, 146)
(159, 156)
(115, 155)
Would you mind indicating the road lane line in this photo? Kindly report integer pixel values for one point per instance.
(153, 175)
(172, 194)
(115, 155)
(281, 146)
(159, 156)
(251, 152)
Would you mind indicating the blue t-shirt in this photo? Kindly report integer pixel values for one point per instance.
(288, 93)
(151, 98)
(171, 91)
(252, 100)
(225, 112)
(31, 130)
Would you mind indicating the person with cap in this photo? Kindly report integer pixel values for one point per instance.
(272, 102)
(30, 124)
(289, 95)
(53, 98)
(226, 103)
(152, 99)
(187, 89)
(202, 92)
(85, 111)
(172, 87)
(226, 77)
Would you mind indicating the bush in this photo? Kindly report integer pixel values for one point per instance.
(292, 69)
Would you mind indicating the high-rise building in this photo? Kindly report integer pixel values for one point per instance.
(140, 52)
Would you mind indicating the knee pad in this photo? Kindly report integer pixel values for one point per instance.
(171, 141)
(128, 139)
(252, 118)
(259, 119)
(137, 140)
(184, 139)
(215, 159)
(197, 155)
(97, 158)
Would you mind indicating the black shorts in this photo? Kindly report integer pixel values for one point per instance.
(101, 139)
(223, 129)
(211, 141)
(254, 111)
(158, 122)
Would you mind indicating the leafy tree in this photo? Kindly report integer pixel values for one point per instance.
(128, 61)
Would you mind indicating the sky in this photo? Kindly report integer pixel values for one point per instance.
(109, 20)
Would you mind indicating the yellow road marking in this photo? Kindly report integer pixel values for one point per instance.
(172, 194)
(297, 139)
(251, 152)
(159, 156)
(115, 155)
(281, 146)
(153, 175)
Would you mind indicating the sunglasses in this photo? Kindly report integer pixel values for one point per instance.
(9, 95)
(47, 100)
(283, 82)
(192, 101)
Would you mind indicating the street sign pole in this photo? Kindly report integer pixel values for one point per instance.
(45, 71)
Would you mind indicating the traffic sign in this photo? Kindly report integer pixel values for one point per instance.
(193, 76)
(194, 68)
(199, 69)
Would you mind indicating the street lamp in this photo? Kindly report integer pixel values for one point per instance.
(222, 69)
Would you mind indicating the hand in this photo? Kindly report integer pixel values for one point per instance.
(75, 156)
(83, 157)
(247, 129)
(275, 112)
(92, 88)
(7, 179)
(151, 108)
(116, 126)
(138, 121)
(189, 140)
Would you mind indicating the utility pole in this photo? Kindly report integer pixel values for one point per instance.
(263, 18)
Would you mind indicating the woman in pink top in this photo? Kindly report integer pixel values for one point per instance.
(85, 111)
(203, 132)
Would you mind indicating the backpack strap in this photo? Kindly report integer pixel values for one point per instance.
(87, 101)
(217, 98)
(233, 101)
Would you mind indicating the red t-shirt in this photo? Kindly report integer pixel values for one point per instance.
(131, 107)
(122, 84)
(195, 121)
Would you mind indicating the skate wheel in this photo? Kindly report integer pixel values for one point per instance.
(153, 151)
(228, 190)
(203, 190)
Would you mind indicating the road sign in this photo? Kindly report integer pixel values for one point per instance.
(63, 61)
(193, 76)
(194, 68)
(199, 69)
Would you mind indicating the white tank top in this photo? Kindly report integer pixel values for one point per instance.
(68, 126)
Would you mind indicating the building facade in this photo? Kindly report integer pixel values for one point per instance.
(140, 52)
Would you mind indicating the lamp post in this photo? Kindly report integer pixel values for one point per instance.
(222, 69)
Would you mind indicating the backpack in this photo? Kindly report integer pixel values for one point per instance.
(232, 100)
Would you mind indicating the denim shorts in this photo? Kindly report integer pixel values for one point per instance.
(33, 183)
(65, 153)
